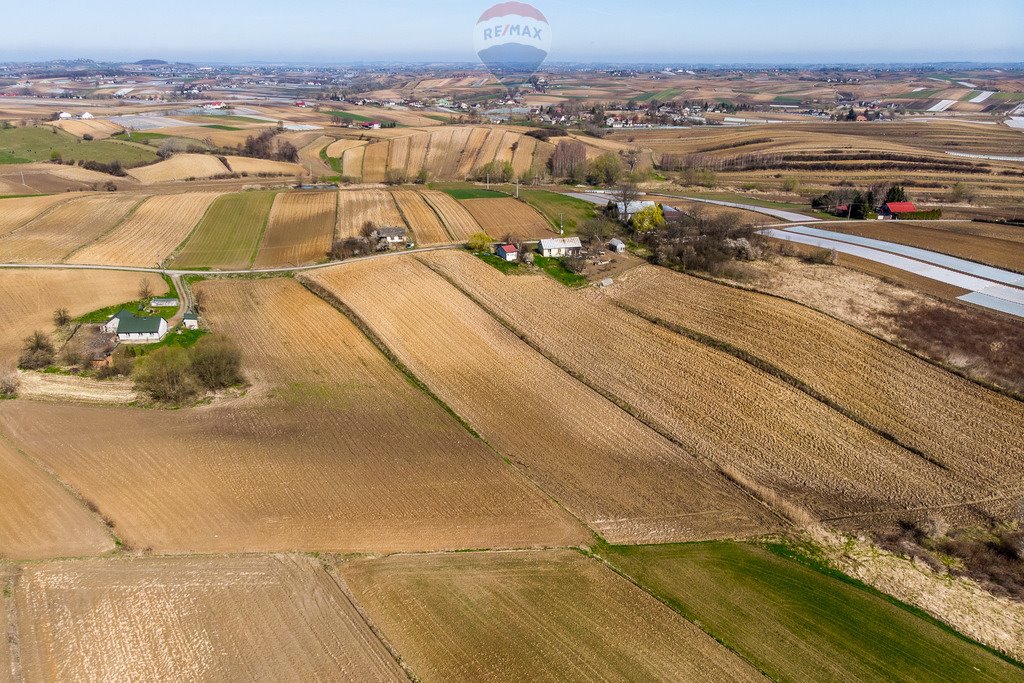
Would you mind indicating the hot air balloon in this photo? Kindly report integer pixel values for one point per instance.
(512, 39)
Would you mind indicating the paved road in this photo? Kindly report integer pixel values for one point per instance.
(175, 275)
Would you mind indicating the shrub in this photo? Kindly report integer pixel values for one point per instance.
(37, 352)
(121, 364)
(9, 386)
(822, 257)
(61, 317)
(165, 375)
(480, 241)
(216, 362)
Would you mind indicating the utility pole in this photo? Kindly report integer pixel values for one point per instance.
(517, 188)
(488, 180)
(561, 224)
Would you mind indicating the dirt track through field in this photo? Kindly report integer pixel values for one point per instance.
(270, 617)
(333, 450)
(628, 483)
(532, 616)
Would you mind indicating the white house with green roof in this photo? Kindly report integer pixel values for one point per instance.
(131, 328)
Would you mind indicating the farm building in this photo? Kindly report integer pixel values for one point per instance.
(132, 328)
(86, 116)
(508, 252)
(625, 213)
(617, 245)
(391, 235)
(561, 246)
(191, 321)
(64, 116)
(896, 209)
(164, 303)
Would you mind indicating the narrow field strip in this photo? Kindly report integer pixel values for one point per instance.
(300, 229)
(229, 235)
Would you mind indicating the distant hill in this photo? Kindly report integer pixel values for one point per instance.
(150, 62)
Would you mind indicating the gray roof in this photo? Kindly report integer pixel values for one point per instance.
(129, 323)
(616, 242)
(391, 232)
(561, 243)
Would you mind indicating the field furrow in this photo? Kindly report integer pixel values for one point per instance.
(151, 233)
(421, 218)
(17, 211)
(972, 431)
(459, 221)
(624, 480)
(501, 217)
(257, 617)
(471, 152)
(332, 449)
(40, 518)
(719, 407)
(356, 208)
(375, 162)
(57, 233)
(522, 159)
(300, 229)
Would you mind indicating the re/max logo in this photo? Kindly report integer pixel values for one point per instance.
(512, 30)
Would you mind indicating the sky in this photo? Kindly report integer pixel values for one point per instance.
(667, 31)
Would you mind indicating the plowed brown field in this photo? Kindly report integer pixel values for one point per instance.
(258, 166)
(151, 233)
(421, 218)
(628, 483)
(20, 210)
(300, 230)
(40, 518)
(459, 222)
(500, 217)
(333, 450)
(56, 234)
(273, 617)
(532, 616)
(972, 431)
(31, 296)
(338, 148)
(352, 161)
(375, 162)
(719, 407)
(357, 207)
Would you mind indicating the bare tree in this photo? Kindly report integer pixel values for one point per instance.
(198, 300)
(61, 317)
(145, 289)
(568, 158)
(368, 229)
(626, 194)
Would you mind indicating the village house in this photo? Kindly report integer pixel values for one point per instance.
(508, 252)
(625, 213)
(896, 209)
(561, 246)
(391, 235)
(190, 321)
(617, 246)
(131, 328)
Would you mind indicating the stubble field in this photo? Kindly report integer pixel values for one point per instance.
(421, 218)
(968, 429)
(56, 234)
(532, 616)
(341, 453)
(358, 207)
(718, 407)
(459, 223)
(275, 617)
(624, 480)
(151, 233)
(500, 217)
(180, 167)
(300, 229)
(17, 211)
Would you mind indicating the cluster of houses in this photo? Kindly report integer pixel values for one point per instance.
(556, 247)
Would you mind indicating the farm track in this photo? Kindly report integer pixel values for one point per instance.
(625, 481)
(765, 430)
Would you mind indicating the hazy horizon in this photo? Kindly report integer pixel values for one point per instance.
(747, 32)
